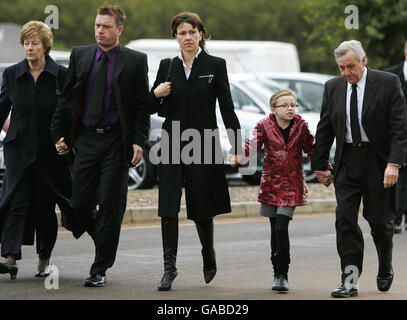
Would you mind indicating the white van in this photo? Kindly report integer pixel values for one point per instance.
(60, 57)
(240, 56)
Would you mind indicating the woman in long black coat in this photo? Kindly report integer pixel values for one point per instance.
(36, 178)
(188, 101)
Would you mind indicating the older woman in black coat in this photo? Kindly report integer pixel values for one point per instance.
(36, 177)
(185, 95)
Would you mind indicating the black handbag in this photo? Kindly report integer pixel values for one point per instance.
(164, 110)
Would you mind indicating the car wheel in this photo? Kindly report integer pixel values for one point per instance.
(142, 176)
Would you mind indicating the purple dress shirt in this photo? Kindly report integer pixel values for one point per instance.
(110, 113)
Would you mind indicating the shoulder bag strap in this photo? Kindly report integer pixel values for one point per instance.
(168, 76)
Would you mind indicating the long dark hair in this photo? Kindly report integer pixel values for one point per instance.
(191, 18)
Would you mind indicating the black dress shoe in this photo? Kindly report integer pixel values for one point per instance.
(384, 281)
(12, 269)
(95, 281)
(166, 281)
(280, 283)
(343, 292)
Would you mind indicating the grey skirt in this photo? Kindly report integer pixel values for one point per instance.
(269, 211)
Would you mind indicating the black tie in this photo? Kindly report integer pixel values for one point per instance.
(354, 119)
(97, 97)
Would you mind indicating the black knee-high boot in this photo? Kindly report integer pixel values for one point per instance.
(169, 232)
(205, 232)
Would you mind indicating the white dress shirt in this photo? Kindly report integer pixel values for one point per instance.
(405, 70)
(186, 69)
(361, 92)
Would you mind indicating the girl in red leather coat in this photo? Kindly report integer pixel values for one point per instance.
(285, 136)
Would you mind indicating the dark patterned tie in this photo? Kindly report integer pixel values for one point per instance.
(97, 98)
(354, 119)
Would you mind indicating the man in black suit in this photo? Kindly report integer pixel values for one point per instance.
(105, 93)
(365, 111)
(401, 70)
(401, 187)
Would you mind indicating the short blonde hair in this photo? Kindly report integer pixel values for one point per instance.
(279, 94)
(40, 29)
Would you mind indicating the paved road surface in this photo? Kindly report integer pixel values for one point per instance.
(244, 270)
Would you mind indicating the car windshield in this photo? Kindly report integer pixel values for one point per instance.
(264, 89)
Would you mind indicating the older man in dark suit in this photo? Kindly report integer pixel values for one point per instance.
(365, 111)
(401, 187)
(105, 91)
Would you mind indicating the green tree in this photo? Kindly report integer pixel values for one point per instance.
(275, 20)
(382, 31)
(316, 27)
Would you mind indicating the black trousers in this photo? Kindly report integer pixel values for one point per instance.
(360, 176)
(31, 206)
(401, 199)
(100, 177)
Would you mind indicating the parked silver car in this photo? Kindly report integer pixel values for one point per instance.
(308, 86)
(251, 94)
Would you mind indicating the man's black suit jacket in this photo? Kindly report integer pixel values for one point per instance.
(398, 70)
(130, 88)
(383, 119)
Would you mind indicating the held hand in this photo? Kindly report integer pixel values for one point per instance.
(390, 175)
(61, 147)
(324, 177)
(137, 154)
(163, 90)
(235, 159)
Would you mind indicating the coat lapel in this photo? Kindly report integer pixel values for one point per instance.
(196, 66)
(370, 91)
(343, 87)
(88, 60)
(401, 73)
(178, 70)
(120, 61)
